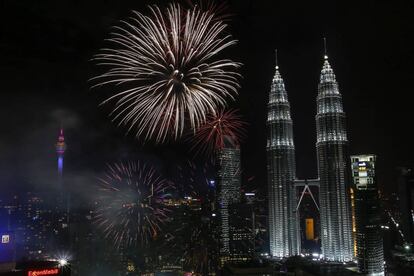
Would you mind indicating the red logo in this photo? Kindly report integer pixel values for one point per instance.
(53, 271)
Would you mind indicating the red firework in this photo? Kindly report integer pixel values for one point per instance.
(225, 128)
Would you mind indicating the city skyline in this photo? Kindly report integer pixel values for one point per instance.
(247, 161)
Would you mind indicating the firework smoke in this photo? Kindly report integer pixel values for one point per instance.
(130, 209)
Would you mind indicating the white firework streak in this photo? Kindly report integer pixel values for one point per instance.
(168, 67)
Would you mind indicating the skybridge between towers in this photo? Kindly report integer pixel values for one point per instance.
(305, 185)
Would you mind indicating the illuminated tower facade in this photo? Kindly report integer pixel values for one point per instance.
(331, 148)
(60, 151)
(406, 202)
(228, 188)
(369, 241)
(283, 221)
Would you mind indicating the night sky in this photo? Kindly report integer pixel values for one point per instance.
(46, 47)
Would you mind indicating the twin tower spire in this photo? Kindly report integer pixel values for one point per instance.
(331, 148)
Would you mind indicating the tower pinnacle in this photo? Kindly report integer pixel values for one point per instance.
(61, 145)
(325, 51)
(277, 66)
(331, 148)
(283, 227)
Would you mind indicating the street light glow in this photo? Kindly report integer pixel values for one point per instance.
(63, 262)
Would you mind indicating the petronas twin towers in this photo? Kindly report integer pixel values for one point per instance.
(284, 224)
(283, 221)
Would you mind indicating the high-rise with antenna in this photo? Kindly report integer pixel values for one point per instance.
(331, 148)
(63, 197)
(60, 151)
(283, 221)
(228, 176)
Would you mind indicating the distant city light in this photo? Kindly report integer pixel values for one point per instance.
(5, 238)
(63, 262)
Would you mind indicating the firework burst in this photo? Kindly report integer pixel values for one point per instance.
(167, 71)
(131, 209)
(220, 129)
(219, 9)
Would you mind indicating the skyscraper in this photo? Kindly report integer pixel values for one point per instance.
(242, 236)
(406, 202)
(283, 222)
(32, 220)
(369, 242)
(331, 147)
(228, 185)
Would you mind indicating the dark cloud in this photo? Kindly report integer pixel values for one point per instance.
(68, 119)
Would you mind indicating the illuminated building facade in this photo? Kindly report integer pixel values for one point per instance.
(406, 203)
(228, 190)
(7, 251)
(30, 217)
(283, 221)
(331, 148)
(370, 253)
(242, 229)
(353, 219)
(83, 233)
(310, 229)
